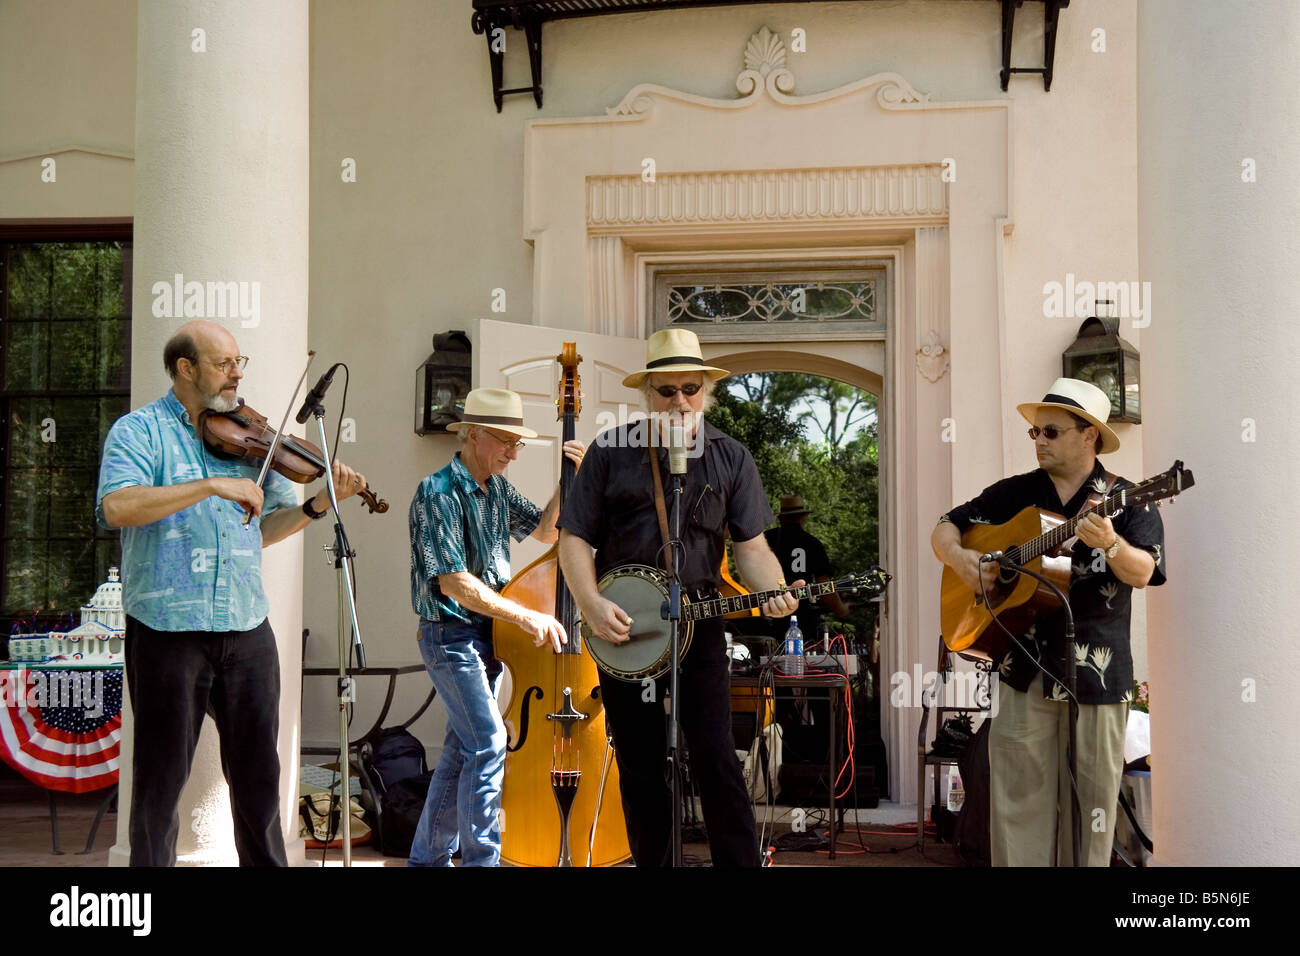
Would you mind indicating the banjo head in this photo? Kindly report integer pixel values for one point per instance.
(640, 591)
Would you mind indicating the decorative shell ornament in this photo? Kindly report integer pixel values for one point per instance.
(765, 67)
(932, 358)
(765, 52)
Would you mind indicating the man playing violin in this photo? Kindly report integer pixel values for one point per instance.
(612, 509)
(197, 635)
(462, 518)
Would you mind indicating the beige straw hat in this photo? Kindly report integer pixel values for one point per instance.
(497, 408)
(673, 350)
(1081, 398)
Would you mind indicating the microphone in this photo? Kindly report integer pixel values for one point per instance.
(991, 556)
(676, 450)
(316, 394)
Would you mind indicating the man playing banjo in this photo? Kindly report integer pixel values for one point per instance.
(612, 508)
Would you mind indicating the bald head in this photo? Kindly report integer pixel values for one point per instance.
(195, 338)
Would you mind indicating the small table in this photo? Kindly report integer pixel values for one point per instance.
(834, 683)
(60, 734)
(392, 672)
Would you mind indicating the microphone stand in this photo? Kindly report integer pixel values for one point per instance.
(1076, 830)
(342, 552)
(674, 625)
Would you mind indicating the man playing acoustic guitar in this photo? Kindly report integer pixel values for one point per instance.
(1030, 804)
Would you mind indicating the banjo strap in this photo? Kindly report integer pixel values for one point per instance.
(660, 508)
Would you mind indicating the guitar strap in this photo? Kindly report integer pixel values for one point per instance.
(660, 508)
(1097, 498)
(1091, 501)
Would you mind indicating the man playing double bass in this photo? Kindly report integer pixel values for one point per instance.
(612, 508)
(1030, 798)
(197, 636)
(461, 520)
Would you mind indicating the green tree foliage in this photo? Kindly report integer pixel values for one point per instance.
(818, 438)
(66, 329)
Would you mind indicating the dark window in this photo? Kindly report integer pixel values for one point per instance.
(65, 331)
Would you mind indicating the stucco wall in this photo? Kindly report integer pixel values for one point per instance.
(67, 78)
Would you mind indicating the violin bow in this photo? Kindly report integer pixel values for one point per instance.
(275, 442)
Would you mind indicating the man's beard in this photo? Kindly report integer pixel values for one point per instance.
(662, 423)
(218, 403)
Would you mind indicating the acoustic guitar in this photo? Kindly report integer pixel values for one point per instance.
(1043, 542)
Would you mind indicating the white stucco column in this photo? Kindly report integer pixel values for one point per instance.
(1218, 97)
(221, 196)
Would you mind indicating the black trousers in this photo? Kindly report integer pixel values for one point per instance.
(636, 718)
(175, 677)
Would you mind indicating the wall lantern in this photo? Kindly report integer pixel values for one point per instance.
(441, 383)
(1100, 356)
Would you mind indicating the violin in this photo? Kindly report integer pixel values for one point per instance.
(246, 433)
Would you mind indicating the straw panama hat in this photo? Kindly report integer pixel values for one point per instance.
(673, 350)
(1083, 399)
(497, 408)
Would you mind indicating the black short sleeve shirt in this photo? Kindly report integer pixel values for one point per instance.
(1102, 604)
(801, 556)
(611, 505)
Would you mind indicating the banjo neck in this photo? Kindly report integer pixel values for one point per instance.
(720, 606)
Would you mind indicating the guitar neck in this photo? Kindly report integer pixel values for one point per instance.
(1049, 541)
(719, 606)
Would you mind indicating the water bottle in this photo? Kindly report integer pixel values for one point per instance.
(794, 648)
(956, 792)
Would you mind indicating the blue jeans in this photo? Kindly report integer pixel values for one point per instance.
(465, 792)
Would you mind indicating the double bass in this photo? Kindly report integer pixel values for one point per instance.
(560, 797)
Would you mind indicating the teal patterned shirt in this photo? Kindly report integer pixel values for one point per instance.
(457, 526)
(199, 569)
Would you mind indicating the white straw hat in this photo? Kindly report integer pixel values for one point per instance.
(673, 350)
(497, 408)
(1080, 398)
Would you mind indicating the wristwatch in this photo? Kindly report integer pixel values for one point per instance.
(1113, 549)
(307, 510)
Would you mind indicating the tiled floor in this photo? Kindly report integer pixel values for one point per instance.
(25, 835)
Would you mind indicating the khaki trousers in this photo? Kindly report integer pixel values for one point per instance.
(1029, 786)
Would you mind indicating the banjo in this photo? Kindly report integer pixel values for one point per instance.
(642, 592)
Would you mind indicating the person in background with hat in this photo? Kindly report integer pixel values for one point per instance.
(612, 508)
(1031, 817)
(803, 556)
(462, 518)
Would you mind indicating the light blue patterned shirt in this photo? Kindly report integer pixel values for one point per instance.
(199, 569)
(457, 526)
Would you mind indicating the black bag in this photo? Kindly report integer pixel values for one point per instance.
(403, 805)
(393, 755)
(391, 758)
(972, 836)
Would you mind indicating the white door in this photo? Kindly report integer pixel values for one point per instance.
(522, 358)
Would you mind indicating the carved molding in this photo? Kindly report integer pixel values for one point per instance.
(784, 195)
(766, 74)
(932, 358)
(60, 150)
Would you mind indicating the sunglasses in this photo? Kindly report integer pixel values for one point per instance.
(668, 391)
(1053, 432)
